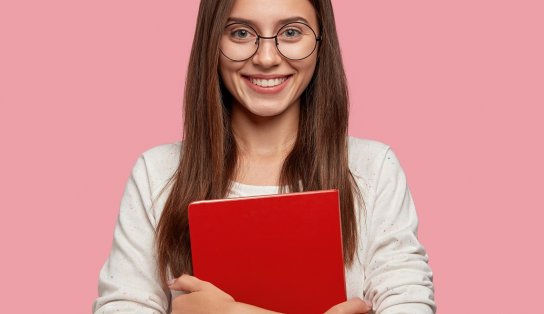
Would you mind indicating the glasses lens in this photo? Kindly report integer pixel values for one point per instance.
(239, 42)
(296, 41)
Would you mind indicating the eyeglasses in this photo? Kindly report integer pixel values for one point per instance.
(294, 41)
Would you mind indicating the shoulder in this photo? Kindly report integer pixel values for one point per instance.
(366, 156)
(160, 163)
(168, 153)
(373, 164)
(152, 173)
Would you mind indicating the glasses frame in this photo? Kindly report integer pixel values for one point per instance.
(258, 43)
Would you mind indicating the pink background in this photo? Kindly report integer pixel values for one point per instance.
(456, 88)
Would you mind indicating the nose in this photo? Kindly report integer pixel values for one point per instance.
(267, 54)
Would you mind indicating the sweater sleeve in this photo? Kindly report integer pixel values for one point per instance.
(398, 277)
(128, 281)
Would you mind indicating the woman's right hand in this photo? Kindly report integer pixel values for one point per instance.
(352, 306)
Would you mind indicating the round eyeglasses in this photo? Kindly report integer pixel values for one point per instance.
(294, 41)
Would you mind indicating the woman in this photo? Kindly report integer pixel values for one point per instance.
(266, 111)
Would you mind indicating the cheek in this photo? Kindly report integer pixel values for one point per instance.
(311, 69)
(226, 74)
(308, 70)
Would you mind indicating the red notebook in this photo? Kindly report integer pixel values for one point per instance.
(279, 252)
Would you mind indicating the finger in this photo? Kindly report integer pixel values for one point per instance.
(357, 305)
(186, 283)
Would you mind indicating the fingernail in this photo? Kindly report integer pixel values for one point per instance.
(171, 281)
(368, 303)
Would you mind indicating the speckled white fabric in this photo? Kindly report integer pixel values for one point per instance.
(391, 269)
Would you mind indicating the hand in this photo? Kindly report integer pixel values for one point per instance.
(201, 297)
(352, 306)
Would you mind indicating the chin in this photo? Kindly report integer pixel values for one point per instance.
(266, 113)
(267, 109)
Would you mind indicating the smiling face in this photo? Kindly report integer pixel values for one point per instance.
(268, 84)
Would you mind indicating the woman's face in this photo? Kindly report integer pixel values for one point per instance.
(268, 84)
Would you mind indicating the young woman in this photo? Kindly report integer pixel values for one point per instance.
(266, 111)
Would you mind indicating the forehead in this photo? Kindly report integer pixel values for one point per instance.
(265, 14)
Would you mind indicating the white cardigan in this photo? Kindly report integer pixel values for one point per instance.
(391, 271)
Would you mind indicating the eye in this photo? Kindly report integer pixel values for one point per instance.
(291, 32)
(240, 33)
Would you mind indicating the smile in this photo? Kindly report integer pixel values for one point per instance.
(268, 82)
(267, 85)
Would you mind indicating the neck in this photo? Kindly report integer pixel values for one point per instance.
(265, 136)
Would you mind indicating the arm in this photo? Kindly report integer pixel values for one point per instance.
(203, 297)
(398, 278)
(128, 281)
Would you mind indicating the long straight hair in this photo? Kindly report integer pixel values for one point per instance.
(208, 157)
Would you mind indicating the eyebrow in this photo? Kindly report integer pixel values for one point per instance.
(282, 21)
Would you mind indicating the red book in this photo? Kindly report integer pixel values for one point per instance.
(279, 252)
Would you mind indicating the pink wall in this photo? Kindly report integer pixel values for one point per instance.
(456, 88)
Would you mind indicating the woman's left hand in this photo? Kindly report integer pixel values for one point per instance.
(201, 297)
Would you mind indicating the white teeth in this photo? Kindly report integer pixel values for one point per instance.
(268, 83)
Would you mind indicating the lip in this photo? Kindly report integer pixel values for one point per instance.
(266, 76)
(267, 90)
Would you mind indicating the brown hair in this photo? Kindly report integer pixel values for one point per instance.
(208, 157)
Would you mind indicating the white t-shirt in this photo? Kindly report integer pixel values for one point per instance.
(391, 270)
